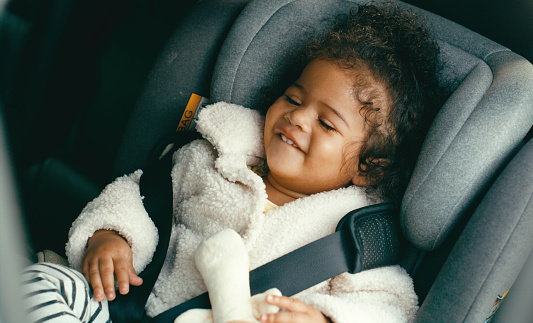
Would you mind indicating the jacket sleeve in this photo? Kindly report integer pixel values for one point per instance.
(119, 207)
(379, 295)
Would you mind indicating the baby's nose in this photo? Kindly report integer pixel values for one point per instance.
(302, 118)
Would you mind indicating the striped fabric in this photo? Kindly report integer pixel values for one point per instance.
(54, 293)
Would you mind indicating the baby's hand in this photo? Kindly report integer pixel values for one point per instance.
(107, 254)
(296, 311)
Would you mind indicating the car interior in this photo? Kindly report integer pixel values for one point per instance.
(88, 89)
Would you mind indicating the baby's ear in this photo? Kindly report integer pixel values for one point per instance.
(360, 179)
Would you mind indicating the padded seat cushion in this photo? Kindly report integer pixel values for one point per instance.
(470, 140)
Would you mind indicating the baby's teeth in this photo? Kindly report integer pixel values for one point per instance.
(288, 141)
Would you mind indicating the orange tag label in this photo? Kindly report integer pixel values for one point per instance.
(190, 115)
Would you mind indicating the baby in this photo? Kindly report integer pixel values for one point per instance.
(344, 135)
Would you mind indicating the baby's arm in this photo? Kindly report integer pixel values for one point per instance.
(108, 254)
(119, 208)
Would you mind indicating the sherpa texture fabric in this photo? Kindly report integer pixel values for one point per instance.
(214, 190)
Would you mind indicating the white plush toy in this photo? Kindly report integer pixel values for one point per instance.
(223, 262)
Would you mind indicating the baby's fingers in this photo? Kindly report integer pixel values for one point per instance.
(288, 303)
(134, 279)
(122, 272)
(92, 274)
(296, 311)
(107, 271)
(126, 276)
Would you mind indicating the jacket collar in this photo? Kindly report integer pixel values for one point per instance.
(236, 133)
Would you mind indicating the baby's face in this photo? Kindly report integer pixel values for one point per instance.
(314, 131)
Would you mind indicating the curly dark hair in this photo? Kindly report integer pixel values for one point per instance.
(401, 55)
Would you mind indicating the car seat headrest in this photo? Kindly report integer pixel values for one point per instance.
(487, 115)
(262, 47)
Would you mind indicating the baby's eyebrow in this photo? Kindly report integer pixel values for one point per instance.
(298, 85)
(335, 111)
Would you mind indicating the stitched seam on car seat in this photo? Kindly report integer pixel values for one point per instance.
(501, 50)
(530, 201)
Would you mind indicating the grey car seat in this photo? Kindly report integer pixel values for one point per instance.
(477, 131)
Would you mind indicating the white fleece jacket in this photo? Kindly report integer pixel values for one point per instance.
(213, 190)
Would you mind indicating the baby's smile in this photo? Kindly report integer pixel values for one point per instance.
(288, 141)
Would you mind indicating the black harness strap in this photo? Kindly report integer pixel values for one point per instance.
(156, 188)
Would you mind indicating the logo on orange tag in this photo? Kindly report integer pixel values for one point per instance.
(190, 115)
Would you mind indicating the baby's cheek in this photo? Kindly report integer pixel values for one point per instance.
(350, 159)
